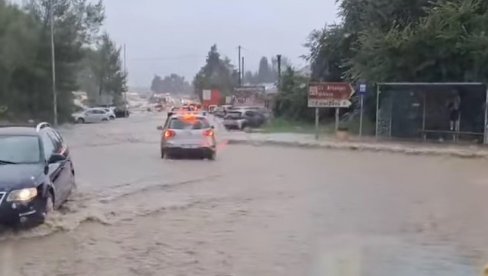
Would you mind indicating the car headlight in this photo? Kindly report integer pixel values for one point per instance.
(22, 194)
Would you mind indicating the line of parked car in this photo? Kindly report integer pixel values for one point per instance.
(99, 114)
(242, 117)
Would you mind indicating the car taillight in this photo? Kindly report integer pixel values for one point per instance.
(168, 134)
(209, 133)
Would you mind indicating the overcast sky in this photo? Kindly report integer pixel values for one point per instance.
(174, 36)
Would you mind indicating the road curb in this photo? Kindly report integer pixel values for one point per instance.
(460, 153)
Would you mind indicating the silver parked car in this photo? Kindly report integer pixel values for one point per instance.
(188, 134)
(91, 115)
(110, 111)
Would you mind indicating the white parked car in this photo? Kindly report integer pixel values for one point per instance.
(91, 115)
(111, 112)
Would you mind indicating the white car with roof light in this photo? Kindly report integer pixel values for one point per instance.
(188, 134)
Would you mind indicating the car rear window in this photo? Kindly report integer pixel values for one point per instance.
(189, 123)
(20, 149)
(234, 115)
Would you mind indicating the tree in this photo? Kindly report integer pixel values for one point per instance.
(267, 73)
(291, 102)
(156, 84)
(76, 27)
(397, 40)
(329, 48)
(448, 44)
(264, 73)
(217, 73)
(108, 72)
(250, 78)
(84, 59)
(18, 60)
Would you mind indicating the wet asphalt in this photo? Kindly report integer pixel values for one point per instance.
(256, 210)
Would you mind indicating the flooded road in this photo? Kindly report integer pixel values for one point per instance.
(255, 211)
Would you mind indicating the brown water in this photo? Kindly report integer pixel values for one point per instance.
(255, 211)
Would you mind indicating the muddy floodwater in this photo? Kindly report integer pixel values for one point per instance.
(255, 211)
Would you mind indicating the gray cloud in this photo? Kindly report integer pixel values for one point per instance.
(173, 36)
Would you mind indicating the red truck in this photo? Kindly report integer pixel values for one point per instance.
(211, 97)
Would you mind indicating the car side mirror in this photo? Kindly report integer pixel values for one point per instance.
(55, 158)
(159, 128)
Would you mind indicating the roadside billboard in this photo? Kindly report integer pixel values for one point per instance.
(330, 95)
(207, 95)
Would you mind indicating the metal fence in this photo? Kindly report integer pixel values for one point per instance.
(432, 111)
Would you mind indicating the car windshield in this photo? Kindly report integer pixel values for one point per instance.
(189, 123)
(19, 149)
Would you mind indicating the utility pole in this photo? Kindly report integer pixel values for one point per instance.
(279, 70)
(240, 71)
(242, 64)
(125, 73)
(53, 64)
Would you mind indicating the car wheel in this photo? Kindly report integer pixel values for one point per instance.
(45, 207)
(74, 185)
(49, 205)
(80, 121)
(112, 118)
(165, 155)
(212, 156)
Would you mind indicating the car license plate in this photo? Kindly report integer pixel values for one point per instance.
(190, 146)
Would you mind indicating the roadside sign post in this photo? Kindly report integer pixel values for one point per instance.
(362, 93)
(317, 119)
(336, 119)
(329, 95)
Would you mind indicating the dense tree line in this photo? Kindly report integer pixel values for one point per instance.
(173, 84)
(219, 73)
(267, 72)
(406, 41)
(84, 57)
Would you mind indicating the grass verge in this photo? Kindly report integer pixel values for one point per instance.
(280, 125)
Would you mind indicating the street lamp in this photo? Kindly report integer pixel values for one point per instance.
(53, 64)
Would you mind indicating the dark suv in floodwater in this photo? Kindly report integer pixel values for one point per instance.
(36, 173)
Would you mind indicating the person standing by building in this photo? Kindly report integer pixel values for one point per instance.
(454, 113)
